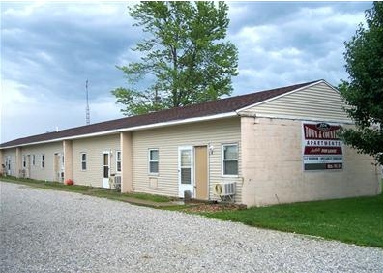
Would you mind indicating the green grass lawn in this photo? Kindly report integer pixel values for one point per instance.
(353, 220)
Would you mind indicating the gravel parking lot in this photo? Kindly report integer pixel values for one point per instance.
(56, 231)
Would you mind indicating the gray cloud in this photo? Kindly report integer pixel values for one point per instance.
(293, 42)
(60, 46)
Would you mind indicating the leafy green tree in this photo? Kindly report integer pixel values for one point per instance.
(185, 56)
(363, 92)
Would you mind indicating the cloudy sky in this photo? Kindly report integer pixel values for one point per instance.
(49, 50)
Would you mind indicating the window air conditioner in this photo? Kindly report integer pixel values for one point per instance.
(224, 189)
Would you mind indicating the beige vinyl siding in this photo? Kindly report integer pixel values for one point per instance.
(48, 150)
(94, 147)
(168, 140)
(318, 102)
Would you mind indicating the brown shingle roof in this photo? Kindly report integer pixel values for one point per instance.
(178, 113)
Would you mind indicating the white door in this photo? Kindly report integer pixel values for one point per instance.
(105, 170)
(8, 165)
(185, 170)
(59, 167)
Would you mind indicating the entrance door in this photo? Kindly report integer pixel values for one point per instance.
(105, 170)
(59, 167)
(185, 170)
(56, 167)
(200, 173)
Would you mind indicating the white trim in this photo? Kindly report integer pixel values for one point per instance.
(105, 180)
(62, 139)
(181, 121)
(284, 94)
(149, 161)
(288, 117)
(222, 159)
(137, 128)
(183, 187)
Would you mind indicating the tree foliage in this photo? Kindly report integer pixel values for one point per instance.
(363, 92)
(185, 56)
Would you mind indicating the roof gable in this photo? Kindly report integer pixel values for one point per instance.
(205, 109)
(319, 101)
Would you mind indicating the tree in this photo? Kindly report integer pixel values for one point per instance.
(185, 58)
(363, 93)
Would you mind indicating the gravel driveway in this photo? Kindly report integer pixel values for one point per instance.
(56, 231)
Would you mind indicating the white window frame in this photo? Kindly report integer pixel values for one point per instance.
(118, 160)
(34, 160)
(150, 160)
(223, 160)
(43, 161)
(83, 161)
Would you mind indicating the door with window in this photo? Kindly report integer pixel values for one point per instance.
(8, 165)
(105, 170)
(185, 170)
(59, 167)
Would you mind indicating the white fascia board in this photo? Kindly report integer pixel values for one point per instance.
(299, 118)
(285, 94)
(137, 128)
(179, 122)
(62, 139)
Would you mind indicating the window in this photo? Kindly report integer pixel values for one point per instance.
(33, 160)
(83, 161)
(230, 159)
(42, 161)
(24, 161)
(118, 161)
(153, 161)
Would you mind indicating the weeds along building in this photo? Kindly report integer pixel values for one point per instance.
(269, 147)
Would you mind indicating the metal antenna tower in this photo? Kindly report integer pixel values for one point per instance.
(87, 104)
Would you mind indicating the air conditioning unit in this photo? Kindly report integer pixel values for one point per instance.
(224, 189)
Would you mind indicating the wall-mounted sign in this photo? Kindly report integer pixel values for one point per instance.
(322, 148)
